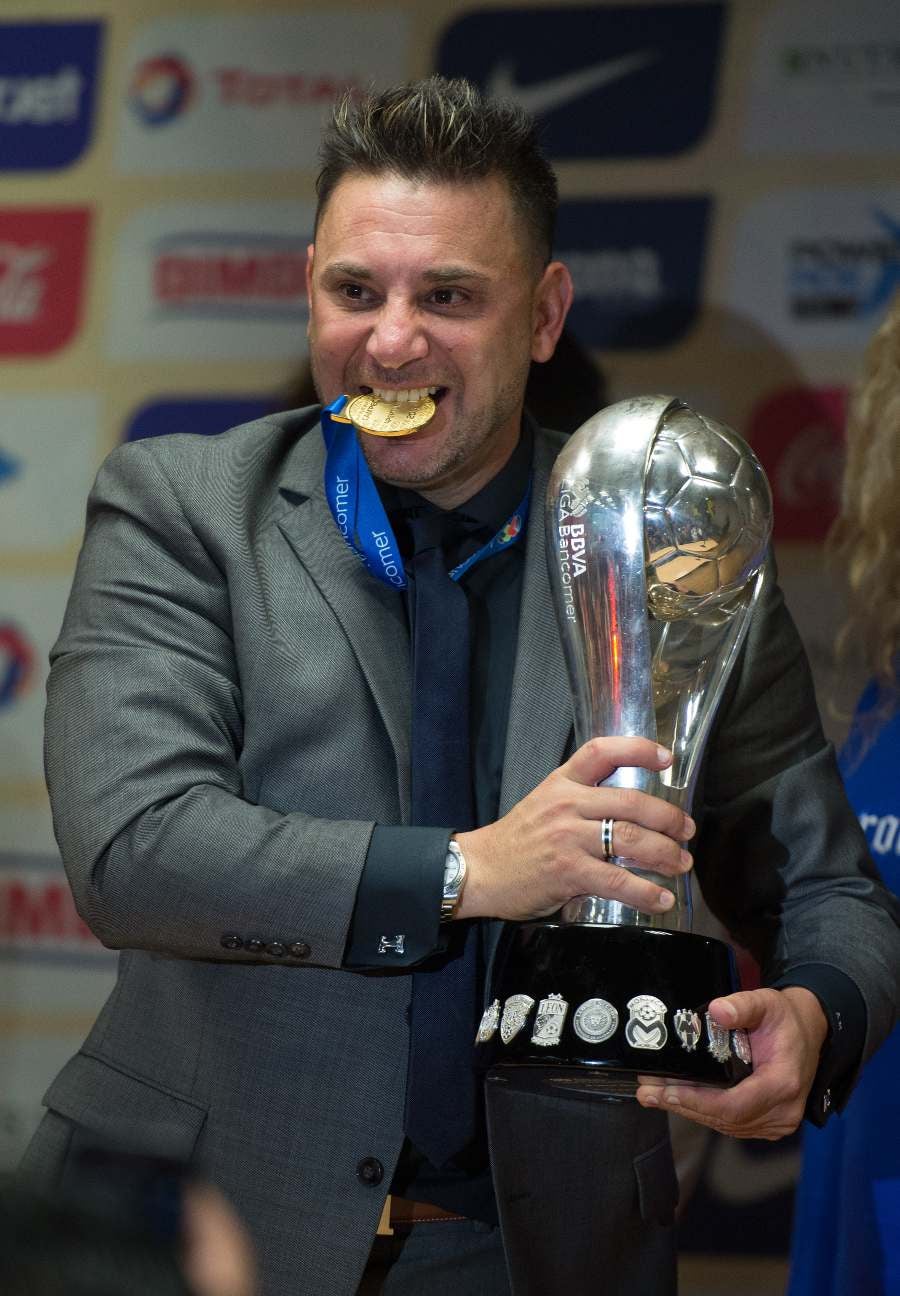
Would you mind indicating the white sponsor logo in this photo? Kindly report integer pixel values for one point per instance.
(213, 281)
(41, 100)
(22, 288)
(261, 85)
(882, 832)
(545, 96)
(817, 267)
(617, 274)
(55, 442)
(808, 473)
(825, 79)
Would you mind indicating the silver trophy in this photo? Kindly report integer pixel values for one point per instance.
(658, 521)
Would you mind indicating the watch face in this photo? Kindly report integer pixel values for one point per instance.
(452, 871)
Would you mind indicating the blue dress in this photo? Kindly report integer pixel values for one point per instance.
(846, 1238)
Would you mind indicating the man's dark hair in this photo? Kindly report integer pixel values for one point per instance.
(442, 131)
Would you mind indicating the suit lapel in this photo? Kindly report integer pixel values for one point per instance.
(540, 711)
(370, 613)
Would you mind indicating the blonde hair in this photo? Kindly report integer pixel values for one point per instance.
(866, 534)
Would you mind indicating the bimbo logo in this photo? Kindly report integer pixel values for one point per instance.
(161, 89)
(48, 74)
(17, 663)
(42, 265)
(262, 276)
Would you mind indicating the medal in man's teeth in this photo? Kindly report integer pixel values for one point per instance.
(389, 418)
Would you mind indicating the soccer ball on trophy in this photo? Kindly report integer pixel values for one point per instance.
(707, 516)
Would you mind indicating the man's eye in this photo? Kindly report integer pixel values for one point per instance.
(447, 297)
(355, 292)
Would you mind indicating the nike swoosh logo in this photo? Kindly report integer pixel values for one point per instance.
(544, 96)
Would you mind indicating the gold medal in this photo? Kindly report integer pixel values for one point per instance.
(389, 418)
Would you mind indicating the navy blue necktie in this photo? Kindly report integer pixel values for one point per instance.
(441, 1092)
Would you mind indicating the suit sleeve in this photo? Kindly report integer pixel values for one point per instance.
(780, 854)
(163, 847)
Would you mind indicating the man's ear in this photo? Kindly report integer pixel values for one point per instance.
(552, 299)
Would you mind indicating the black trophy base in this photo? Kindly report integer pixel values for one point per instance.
(585, 1010)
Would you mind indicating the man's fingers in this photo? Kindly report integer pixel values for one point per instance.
(614, 882)
(596, 759)
(746, 1008)
(634, 807)
(731, 1109)
(651, 851)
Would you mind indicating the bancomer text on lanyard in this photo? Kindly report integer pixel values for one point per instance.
(359, 513)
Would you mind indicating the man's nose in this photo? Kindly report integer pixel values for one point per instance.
(397, 336)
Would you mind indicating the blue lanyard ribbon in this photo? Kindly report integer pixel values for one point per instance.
(360, 515)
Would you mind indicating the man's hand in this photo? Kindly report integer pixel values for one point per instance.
(547, 849)
(787, 1030)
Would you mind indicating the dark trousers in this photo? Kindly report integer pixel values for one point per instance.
(447, 1258)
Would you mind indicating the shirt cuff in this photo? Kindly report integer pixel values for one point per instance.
(396, 920)
(842, 1052)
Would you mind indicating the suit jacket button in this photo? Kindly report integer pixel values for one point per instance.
(254, 944)
(299, 949)
(231, 940)
(276, 949)
(370, 1172)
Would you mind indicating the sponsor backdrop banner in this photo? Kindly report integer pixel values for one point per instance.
(727, 210)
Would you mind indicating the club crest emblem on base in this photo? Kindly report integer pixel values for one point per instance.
(548, 1022)
(489, 1023)
(688, 1028)
(515, 1010)
(740, 1042)
(645, 1028)
(595, 1021)
(719, 1040)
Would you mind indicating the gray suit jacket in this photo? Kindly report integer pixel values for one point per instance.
(228, 716)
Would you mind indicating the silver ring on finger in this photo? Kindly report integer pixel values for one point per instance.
(606, 839)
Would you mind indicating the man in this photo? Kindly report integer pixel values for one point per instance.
(293, 786)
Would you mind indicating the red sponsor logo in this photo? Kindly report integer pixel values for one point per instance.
(798, 435)
(39, 911)
(43, 254)
(260, 274)
(240, 86)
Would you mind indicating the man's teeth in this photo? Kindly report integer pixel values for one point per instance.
(393, 394)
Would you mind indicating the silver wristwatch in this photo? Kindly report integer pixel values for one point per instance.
(454, 881)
